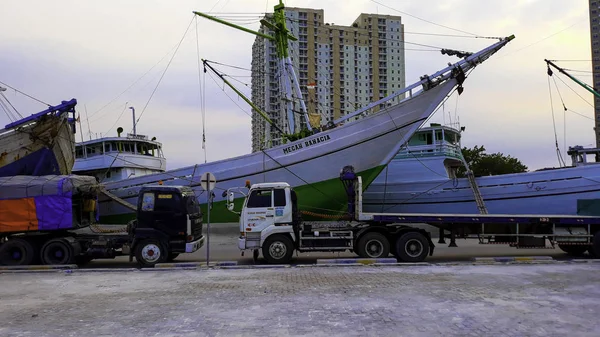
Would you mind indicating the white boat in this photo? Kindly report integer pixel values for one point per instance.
(40, 144)
(118, 158)
(422, 179)
(312, 165)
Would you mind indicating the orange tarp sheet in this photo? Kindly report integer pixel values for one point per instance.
(18, 215)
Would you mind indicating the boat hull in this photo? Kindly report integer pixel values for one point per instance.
(554, 191)
(42, 148)
(311, 165)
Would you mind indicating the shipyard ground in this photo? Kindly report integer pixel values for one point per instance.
(460, 300)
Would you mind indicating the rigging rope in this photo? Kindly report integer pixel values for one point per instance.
(433, 23)
(9, 103)
(22, 93)
(560, 160)
(118, 119)
(564, 115)
(7, 111)
(201, 88)
(166, 68)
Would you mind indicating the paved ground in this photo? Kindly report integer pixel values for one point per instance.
(505, 300)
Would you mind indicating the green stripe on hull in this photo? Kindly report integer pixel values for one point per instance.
(325, 197)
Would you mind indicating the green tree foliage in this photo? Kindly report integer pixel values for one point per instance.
(295, 136)
(484, 164)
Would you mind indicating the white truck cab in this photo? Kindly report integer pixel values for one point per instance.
(268, 209)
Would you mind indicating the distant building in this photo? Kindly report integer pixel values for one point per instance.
(595, 44)
(339, 68)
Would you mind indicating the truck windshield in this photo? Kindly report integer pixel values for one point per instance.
(167, 202)
(192, 205)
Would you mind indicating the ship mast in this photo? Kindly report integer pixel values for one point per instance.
(288, 78)
(585, 86)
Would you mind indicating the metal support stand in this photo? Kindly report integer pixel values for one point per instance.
(452, 238)
(441, 240)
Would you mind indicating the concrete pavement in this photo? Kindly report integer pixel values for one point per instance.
(511, 300)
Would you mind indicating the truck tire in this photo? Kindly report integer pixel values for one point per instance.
(149, 252)
(278, 249)
(16, 252)
(573, 250)
(56, 252)
(373, 245)
(412, 247)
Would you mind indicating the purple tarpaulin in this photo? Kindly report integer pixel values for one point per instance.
(53, 212)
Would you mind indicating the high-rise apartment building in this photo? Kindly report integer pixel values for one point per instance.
(339, 69)
(595, 44)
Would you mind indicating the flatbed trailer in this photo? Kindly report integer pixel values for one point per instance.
(270, 222)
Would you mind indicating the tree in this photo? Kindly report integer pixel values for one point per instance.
(483, 164)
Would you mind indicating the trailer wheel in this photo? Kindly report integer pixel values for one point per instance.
(16, 252)
(412, 247)
(573, 250)
(278, 249)
(373, 245)
(149, 252)
(57, 251)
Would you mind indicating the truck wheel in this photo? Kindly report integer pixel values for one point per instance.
(57, 251)
(16, 252)
(573, 250)
(373, 245)
(150, 252)
(412, 247)
(278, 249)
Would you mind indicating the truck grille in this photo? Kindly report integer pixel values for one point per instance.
(197, 229)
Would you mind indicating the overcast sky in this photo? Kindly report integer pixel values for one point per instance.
(94, 50)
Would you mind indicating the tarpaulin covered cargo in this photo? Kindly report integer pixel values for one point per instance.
(32, 203)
